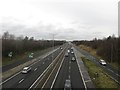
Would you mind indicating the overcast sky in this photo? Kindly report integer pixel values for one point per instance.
(66, 19)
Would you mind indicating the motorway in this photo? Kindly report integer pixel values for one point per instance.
(69, 70)
(65, 70)
(49, 72)
(53, 70)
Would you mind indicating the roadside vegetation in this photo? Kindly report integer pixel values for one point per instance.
(14, 47)
(107, 49)
(98, 76)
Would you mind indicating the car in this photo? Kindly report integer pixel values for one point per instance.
(68, 51)
(61, 48)
(66, 54)
(72, 52)
(102, 62)
(26, 70)
(73, 59)
(67, 84)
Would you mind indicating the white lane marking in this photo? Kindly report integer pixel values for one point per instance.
(88, 81)
(69, 76)
(20, 70)
(110, 70)
(41, 75)
(69, 67)
(35, 69)
(81, 73)
(43, 62)
(69, 70)
(113, 78)
(70, 62)
(57, 74)
(10, 77)
(21, 80)
(118, 75)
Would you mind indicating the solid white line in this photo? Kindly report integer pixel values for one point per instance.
(81, 73)
(110, 70)
(112, 78)
(39, 77)
(57, 74)
(118, 75)
(50, 75)
(35, 69)
(21, 80)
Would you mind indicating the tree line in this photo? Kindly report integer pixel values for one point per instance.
(19, 45)
(108, 48)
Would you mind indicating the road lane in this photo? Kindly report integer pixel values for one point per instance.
(69, 70)
(76, 79)
(63, 74)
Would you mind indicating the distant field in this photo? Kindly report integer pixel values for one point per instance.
(98, 76)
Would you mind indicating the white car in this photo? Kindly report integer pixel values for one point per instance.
(68, 50)
(26, 69)
(102, 62)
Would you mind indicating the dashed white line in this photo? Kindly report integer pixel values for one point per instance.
(70, 62)
(35, 69)
(10, 78)
(21, 80)
(69, 67)
(69, 76)
(43, 62)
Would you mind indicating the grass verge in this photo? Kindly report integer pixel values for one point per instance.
(6, 61)
(98, 76)
(94, 53)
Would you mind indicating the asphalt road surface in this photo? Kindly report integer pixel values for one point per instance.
(69, 70)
